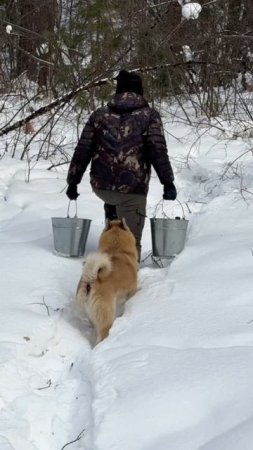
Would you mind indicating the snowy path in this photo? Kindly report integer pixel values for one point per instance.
(176, 371)
(45, 371)
(179, 362)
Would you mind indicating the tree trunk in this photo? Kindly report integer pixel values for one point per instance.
(38, 21)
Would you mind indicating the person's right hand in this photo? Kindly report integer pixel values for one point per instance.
(71, 192)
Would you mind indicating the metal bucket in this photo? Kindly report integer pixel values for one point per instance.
(70, 235)
(168, 236)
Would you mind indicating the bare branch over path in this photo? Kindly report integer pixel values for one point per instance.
(61, 101)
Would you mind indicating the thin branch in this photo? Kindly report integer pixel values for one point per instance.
(35, 57)
(43, 303)
(75, 440)
(48, 385)
(56, 103)
(209, 3)
(236, 36)
(229, 165)
(24, 30)
(57, 165)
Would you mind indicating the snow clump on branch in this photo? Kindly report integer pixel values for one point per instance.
(191, 11)
(8, 29)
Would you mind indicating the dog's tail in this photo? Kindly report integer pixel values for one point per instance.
(97, 267)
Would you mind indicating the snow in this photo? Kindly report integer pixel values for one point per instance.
(43, 49)
(176, 370)
(191, 10)
(187, 53)
(8, 29)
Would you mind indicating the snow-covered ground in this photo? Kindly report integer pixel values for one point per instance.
(176, 371)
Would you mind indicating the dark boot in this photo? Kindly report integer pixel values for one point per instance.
(110, 211)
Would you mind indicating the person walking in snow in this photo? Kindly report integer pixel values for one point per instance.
(122, 141)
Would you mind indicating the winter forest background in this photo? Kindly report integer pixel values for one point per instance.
(65, 54)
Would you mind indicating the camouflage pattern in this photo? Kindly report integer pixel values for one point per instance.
(122, 141)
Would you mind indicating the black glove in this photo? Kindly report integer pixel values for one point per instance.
(71, 192)
(169, 192)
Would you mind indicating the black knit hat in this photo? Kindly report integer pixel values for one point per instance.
(129, 82)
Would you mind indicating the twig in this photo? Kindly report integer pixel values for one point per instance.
(43, 304)
(229, 165)
(47, 307)
(48, 385)
(187, 206)
(57, 165)
(75, 440)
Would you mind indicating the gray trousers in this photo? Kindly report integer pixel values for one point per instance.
(130, 206)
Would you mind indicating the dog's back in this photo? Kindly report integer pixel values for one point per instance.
(117, 239)
(109, 276)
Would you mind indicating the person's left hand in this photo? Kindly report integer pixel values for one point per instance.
(169, 192)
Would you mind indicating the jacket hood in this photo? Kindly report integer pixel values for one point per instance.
(127, 101)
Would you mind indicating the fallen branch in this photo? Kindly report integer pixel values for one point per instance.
(60, 102)
(44, 109)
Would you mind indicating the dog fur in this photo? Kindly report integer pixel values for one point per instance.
(109, 276)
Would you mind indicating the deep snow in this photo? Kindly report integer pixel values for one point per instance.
(176, 371)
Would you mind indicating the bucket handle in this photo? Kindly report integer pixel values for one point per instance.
(158, 205)
(161, 204)
(75, 216)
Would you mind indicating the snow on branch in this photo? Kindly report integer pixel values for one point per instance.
(8, 29)
(190, 10)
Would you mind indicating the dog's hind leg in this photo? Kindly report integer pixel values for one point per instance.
(132, 292)
(103, 316)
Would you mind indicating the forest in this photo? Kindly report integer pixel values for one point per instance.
(59, 54)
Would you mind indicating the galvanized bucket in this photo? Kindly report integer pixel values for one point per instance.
(168, 236)
(70, 235)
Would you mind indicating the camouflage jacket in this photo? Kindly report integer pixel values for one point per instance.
(122, 141)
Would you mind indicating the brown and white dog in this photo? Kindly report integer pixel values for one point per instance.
(109, 276)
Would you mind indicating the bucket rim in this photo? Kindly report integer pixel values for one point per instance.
(182, 219)
(71, 218)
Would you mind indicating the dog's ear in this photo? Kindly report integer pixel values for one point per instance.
(124, 224)
(107, 224)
